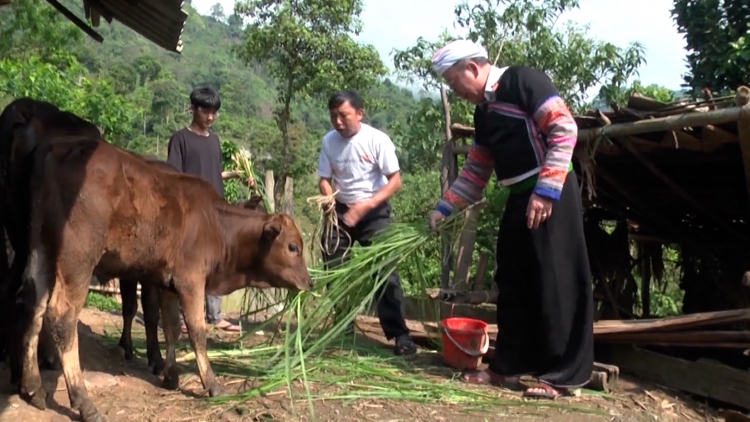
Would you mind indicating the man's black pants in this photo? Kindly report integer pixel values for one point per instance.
(390, 305)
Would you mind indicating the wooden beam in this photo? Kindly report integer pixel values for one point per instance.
(679, 121)
(703, 377)
(732, 231)
(76, 20)
(5, 2)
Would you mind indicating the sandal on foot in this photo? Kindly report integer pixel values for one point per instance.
(542, 391)
(405, 346)
(227, 326)
(487, 377)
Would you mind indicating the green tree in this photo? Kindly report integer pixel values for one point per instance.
(526, 32)
(717, 33)
(309, 50)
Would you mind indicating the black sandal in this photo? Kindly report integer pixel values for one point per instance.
(405, 346)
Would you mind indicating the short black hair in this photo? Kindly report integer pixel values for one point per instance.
(343, 96)
(205, 97)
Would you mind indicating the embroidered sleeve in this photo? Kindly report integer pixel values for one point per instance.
(542, 100)
(471, 181)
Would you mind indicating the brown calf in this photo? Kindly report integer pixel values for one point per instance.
(150, 296)
(99, 208)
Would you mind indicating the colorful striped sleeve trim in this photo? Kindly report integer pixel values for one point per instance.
(557, 124)
(471, 181)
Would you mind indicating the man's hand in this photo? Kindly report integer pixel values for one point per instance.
(435, 217)
(356, 212)
(249, 182)
(538, 211)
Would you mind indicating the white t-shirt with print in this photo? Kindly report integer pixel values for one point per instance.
(357, 165)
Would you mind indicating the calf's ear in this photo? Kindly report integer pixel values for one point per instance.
(272, 229)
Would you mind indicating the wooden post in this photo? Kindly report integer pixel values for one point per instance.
(446, 172)
(743, 128)
(645, 280)
(287, 205)
(466, 249)
(270, 186)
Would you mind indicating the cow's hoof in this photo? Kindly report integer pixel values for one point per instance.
(38, 399)
(90, 414)
(158, 367)
(171, 379)
(216, 390)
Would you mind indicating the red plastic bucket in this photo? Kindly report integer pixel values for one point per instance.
(465, 341)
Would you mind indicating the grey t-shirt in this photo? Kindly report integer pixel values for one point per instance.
(197, 155)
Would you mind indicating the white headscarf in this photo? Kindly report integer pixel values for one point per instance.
(454, 52)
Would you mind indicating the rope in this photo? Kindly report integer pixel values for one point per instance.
(328, 224)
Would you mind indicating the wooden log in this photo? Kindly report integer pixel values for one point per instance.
(680, 337)
(692, 119)
(703, 378)
(672, 323)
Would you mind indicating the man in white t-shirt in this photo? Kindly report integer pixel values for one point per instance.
(360, 162)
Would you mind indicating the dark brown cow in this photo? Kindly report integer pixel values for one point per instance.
(98, 208)
(14, 213)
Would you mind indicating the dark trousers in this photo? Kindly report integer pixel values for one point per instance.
(213, 310)
(545, 300)
(390, 305)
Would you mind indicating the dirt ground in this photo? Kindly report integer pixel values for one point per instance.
(127, 391)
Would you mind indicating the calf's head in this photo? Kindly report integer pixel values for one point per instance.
(273, 256)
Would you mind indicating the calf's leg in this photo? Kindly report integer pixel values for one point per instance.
(192, 296)
(170, 320)
(129, 295)
(150, 305)
(65, 305)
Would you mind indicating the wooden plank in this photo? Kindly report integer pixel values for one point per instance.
(672, 323)
(704, 377)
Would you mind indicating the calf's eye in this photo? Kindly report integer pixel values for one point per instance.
(293, 248)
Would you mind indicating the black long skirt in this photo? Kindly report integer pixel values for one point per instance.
(545, 299)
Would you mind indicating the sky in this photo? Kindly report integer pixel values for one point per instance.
(396, 24)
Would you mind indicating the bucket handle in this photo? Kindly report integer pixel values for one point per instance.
(474, 354)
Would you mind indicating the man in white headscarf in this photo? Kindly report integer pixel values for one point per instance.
(526, 135)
